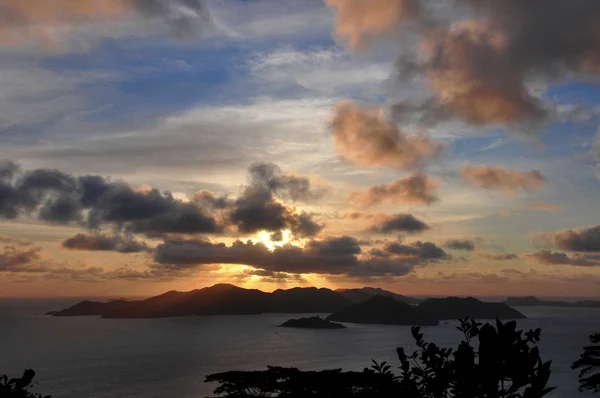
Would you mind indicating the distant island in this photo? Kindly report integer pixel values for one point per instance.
(343, 305)
(531, 301)
(224, 299)
(384, 310)
(459, 308)
(365, 293)
(314, 322)
(388, 311)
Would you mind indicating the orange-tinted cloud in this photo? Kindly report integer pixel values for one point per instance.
(481, 68)
(509, 181)
(540, 205)
(17, 256)
(418, 189)
(366, 138)
(357, 20)
(49, 22)
(498, 256)
(469, 70)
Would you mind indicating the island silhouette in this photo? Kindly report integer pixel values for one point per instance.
(531, 301)
(225, 299)
(314, 322)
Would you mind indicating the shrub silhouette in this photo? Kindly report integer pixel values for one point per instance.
(506, 364)
(18, 387)
(589, 363)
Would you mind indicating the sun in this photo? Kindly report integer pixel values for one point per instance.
(265, 238)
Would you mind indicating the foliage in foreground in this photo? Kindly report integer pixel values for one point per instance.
(589, 363)
(505, 364)
(18, 387)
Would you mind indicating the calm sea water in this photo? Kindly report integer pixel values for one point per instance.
(104, 358)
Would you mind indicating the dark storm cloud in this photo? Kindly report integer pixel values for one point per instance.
(548, 257)
(333, 256)
(276, 236)
(461, 244)
(96, 202)
(400, 223)
(303, 226)
(419, 249)
(258, 208)
(186, 219)
(93, 201)
(103, 242)
(576, 240)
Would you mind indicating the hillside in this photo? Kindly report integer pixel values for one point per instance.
(383, 310)
(366, 293)
(458, 308)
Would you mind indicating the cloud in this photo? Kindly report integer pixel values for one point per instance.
(258, 208)
(498, 256)
(266, 276)
(575, 240)
(418, 189)
(470, 72)
(509, 181)
(547, 257)
(96, 202)
(318, 72)
(367, 139)
(7, 170)
(27, 262)
(460, 244)
(356, 20)
(331, 256)
(16, 257)
(400, 223)
(544, 206)
(208, 199)
(296, 187)
(51, 23)
(475, 63)
(91, 200)
(419, 249)
(103, 242)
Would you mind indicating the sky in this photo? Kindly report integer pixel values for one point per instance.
(423, 147)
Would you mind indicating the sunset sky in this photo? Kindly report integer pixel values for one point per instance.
(425, 147)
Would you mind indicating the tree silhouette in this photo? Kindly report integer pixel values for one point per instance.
(505, 364)
(589, 363)
(18, 387)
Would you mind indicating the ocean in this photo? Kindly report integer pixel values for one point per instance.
(120, 358)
